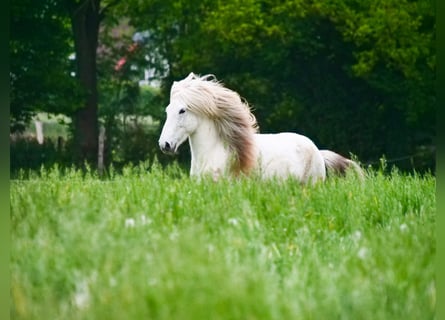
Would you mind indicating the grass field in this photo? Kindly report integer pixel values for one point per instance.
(155, 244)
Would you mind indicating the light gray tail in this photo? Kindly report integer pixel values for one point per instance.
(340, 165)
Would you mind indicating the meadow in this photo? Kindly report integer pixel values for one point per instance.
(152, 243)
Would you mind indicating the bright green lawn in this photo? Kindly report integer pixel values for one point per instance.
(159, 245)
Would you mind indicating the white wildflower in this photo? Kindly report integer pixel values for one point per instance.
(145, 220)
(210, 248)
(129, 223)
(82, 295)
(233, 221)
(403, 227)
(362, 253)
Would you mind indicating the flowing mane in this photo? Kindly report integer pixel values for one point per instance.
(232, 117)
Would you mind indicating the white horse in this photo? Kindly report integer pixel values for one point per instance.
(223, 137)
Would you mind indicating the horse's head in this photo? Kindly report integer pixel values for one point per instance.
(178, 126)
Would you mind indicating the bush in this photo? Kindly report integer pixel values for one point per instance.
(27, 153)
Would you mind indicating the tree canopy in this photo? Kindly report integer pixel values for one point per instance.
(40, 72)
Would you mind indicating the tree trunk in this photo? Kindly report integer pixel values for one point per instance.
(85, 19)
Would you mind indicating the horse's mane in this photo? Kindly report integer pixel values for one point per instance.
(232, 117)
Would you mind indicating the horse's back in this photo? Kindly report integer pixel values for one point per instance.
(286, 153)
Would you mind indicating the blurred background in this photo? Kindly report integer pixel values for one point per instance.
(90, 79)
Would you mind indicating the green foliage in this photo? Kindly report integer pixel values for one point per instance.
(27, 153)
(40, 69)
(130, 115)
(398, 34)
(394, 50)
(129, 111)
(151, 243)
(355, 76)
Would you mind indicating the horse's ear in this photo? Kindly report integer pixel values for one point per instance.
(191, 75)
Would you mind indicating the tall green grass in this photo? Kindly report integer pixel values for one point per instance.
(156, 244)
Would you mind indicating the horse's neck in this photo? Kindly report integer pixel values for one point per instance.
(209, 154)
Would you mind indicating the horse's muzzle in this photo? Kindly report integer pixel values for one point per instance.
(167, 148)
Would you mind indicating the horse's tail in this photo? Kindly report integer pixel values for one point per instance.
(338, 164)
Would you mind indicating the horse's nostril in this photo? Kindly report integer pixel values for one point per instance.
(167, 146)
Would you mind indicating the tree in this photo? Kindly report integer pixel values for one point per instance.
(85, 20)
(40, 71)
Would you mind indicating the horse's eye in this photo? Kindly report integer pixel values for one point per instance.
(181, 111)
